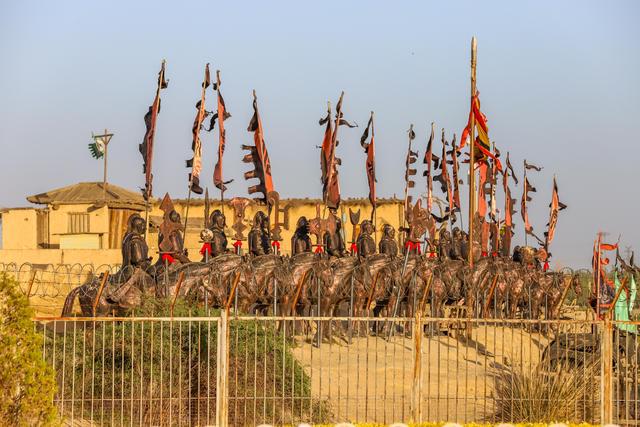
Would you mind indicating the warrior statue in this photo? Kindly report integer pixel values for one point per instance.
(134, 248)
(365, 243)
(517, 254)
(300, 241)
(388, 244)
(464, 245)
(175, 240)
(135, 263)
(333, 241)
(444, 244)
(456, 244)
(219, 239)
(494, 238)
(259, 235)
(505, 244)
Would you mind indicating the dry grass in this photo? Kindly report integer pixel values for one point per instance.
(557, 394)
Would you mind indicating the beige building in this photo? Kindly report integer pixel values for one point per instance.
(84, 224)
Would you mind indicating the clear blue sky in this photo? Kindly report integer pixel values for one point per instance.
(559, 83)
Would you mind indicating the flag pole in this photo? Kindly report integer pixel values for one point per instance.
(374, 212)
(526, 190)
(220, 120)
(472, 172)
(104, 180)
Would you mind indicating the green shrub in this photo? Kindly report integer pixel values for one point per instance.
(161, 372)
(27, 383)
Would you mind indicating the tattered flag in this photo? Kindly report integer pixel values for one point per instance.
(146, 147)
(369, 150)
(259, 156)
(443, 176)
(195, 163)
(221, 115)
(412, 157)
(428, 159)
(530, 166)
(556, 206)
(328, 160)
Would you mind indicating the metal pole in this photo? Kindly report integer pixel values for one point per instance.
(104, 179)
(472, 145)
(606, 406)
(186, 215)
(525, 189)
(351, 311)
(319, 331)
(222, 401)
(275, 297)
(416, 391)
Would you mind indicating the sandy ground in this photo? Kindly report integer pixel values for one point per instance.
(372, 379)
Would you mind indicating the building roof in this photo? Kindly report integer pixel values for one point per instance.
(90, 193)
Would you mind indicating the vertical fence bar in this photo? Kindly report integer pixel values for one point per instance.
(606, 405)
(222, 400)
(416, 390)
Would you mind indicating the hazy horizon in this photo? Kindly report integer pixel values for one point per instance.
(558, 83)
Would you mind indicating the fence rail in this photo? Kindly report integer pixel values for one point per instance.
(238, 370)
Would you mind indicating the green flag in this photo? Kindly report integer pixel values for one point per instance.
(623, 306)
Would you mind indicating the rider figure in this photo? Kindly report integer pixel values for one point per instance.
(465, 245)
(219, 239)
(388, 244)
(300, 241)
(135, 260)
(365, 243)
(456, 244)
(135, 252)
(177, 251)
(259, 235)
(333, 241)
(444, 244)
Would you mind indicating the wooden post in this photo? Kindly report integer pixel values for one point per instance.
(175, 295)
(472, 145)
(491, 291)
(373, 290)
(31, 280)
(427, 289)
(563, 296)
(233, 292)
(296, 295)
(222, 368)
(100, 289)
(606, 374)
(416, 390)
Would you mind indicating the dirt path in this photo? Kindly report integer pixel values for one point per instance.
(372, 379)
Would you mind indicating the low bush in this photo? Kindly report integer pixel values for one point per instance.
(157, 372)
(27, 383)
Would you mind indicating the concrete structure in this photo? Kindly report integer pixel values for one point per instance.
(84, 224)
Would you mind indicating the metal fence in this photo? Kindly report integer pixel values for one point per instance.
(229, 370)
